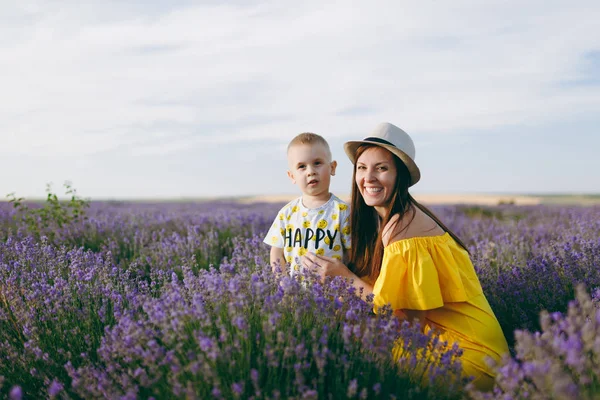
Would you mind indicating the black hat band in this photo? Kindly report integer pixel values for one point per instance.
(378, 140)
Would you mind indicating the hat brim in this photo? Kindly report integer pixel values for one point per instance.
(415, 174)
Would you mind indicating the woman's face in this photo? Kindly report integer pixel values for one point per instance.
(376, 177)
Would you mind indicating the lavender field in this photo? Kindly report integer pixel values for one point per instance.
(177, 300)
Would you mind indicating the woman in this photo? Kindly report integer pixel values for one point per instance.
(405, 256)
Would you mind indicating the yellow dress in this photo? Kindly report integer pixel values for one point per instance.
(436, 274)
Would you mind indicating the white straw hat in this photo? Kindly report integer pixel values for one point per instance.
(391, 138)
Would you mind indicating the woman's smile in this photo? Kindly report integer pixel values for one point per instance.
(373, 190)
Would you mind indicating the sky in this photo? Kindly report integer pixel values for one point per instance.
(185, 99)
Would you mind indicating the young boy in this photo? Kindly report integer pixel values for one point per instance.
(316, 222)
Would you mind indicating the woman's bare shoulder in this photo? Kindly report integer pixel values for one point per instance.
(414, 223)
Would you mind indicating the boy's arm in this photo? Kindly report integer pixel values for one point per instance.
(277, 260)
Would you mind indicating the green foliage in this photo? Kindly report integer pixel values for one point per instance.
(510, 202)
(53, 214)
(508, 213)
(481, 212)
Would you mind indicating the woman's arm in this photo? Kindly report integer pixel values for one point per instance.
(327, 266)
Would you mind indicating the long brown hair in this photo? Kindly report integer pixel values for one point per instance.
(366, 253)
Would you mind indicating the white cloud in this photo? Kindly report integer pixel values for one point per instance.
(96, 77)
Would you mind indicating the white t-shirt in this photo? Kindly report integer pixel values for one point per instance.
(299, 230)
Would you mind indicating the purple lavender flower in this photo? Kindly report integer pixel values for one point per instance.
(561, 361)
(237, 388)
(55, 388)
(16, 393)
(352, 388)
(180, 296)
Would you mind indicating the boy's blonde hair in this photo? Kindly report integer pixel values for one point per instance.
(309, 138)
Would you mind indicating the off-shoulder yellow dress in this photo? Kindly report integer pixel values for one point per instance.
(436, 274)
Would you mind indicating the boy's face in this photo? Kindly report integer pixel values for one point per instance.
(311, 168)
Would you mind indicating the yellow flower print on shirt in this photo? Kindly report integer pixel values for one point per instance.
(289, 259)
(337, 247)
(346, 230)
(274, 239)
(305, 213)
(281, 217)
(282, 232)
(321, 251)
(327, 241)
(289, 227)
(336, 256)
(336, 227)
(295, 209)
(334, 217)
(289, 249)
(306, 224)
(321, 212)
(302, 251)
(322, 224)
(342, 207)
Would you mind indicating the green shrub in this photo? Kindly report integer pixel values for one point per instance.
(53, 213)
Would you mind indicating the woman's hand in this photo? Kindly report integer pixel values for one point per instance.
(325, 266)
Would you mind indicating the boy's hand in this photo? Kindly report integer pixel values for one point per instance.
(277, 261)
